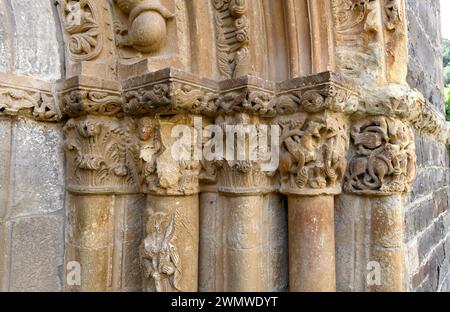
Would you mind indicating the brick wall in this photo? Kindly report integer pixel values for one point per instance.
(427, 217)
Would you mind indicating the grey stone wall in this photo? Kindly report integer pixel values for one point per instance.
(427, 217)
(31, 157)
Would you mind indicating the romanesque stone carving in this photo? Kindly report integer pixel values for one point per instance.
(313, 154)
(384, 160)
(255, 102)
(392, 14)
(162, 174)
(232, 29)
(159, 256)
(356, 31)
(35, 104)
(83, 102)
(147, 30)
(102, 156)
(80, 20)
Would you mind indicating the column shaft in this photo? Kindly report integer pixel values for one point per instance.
(311, 243)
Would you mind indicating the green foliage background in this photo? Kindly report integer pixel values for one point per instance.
(446, 50)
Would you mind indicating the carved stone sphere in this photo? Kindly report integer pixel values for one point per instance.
(148, 32)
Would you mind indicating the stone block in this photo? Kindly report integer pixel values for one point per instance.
(37, 254)
(38, 49)
(38, 161)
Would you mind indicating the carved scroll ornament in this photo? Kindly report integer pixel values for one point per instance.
(232, 28)
(80, 20)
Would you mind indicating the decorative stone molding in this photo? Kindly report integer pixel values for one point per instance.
(161, 264)
(171, 91)
(232, 29)
(325, 91)
(313, 153)
(24, 96)
(80, 20)
(384, 159)
(146, 30)
(102, 156)
(81, 96)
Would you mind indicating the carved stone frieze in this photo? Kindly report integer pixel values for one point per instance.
(102, 155)
(28, 97)
(35, 104)
(383, 160)
(162, 174)
(313, 153)
(146, 31)
(161, 264)
(86, 102)
(232, 29)
(81, 22)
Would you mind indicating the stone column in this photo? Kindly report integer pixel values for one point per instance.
(245, 224)
(312, 165)
(102, 183)
(311, 243)
(382, 168)
(169, 251)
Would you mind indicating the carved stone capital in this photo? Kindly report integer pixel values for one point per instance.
(162, 173)
(102, 155)
(242, 178)
(383, 160)
(313, 153)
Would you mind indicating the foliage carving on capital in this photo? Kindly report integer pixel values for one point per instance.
(102, 155)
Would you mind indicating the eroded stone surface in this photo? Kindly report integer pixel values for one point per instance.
(38, 160)
(37, 254)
